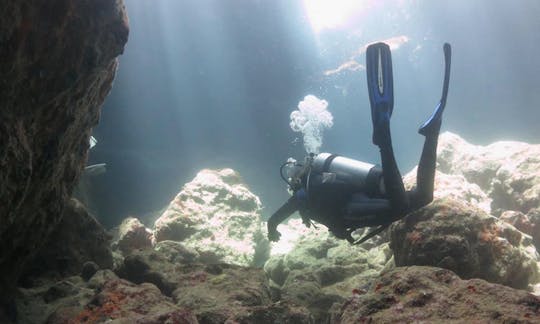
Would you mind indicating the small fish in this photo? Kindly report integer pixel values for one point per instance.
(93, 142)
(95, 169)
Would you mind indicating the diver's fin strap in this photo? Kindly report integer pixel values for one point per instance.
(371, 234)
(434, 122)
(380, 82)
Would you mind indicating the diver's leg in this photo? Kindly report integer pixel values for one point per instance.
(425, 177)
(381, 97)
(393, 183)
(425, 174)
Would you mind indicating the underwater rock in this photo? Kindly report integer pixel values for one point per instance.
(534, 217)
(215, 293)
(321, 270)
(217, 216)
(293, 231)
(274, 313)
(219, 292)
(433, 295)
(88, 270)
(78, 238)
(455, 187)
(103, 298)
(509, 172)
(148, 267)
(519, 220)
(176, 252)
(58, 61)
(35, 305)
(100, 278)
(126, 302)
(463, 238)
(133, 235)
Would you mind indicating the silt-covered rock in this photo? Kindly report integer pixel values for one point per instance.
(217, 216)
(508, 171)
(454, 235)
(434, 295)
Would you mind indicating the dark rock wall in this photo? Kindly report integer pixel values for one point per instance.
(77, 239)
(57, 64)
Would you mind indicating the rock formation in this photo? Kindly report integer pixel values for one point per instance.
(434, 295)
(57, 64)
(132, 234)
(78, 239)
(217, 216)
(509, 172)
(460, 237)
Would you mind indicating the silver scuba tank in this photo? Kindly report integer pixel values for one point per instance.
(364, 176)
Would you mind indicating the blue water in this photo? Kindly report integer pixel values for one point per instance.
(211, 84)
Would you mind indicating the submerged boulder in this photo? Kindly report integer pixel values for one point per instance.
(58, 61)
(132, 235)
(37, 304)
(321, 270)
(125, 302)
(215, 293)
(78, 239)
(454, 186)
(103, 298)
(508, 171)
(434, 295)
(217, 216)
(458, 236)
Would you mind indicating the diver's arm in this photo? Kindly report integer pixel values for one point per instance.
(279, 216)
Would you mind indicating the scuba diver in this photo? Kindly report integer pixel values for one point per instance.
(345, 194)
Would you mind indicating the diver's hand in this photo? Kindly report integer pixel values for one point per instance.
(273, 235)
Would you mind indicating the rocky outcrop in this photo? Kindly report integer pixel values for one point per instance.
(509, 172)
(203, 294)
(454, 186)
(78, 239)
(458, 232)
(321, 271)
(217, 216)
(36, 304)
(215, 293)
(127, 302)
(433, 295)
(454, 235)
(132, 235)
(57, 62)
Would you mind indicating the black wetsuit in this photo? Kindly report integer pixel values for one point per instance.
(342, 208)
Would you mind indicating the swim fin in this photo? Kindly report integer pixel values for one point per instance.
(380, 82)
(433, 124)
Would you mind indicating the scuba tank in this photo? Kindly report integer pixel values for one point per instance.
(365, 177)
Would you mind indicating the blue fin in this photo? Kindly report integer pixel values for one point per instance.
(380, 82)
(433, 123)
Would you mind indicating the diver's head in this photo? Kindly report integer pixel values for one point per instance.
(294, 172)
